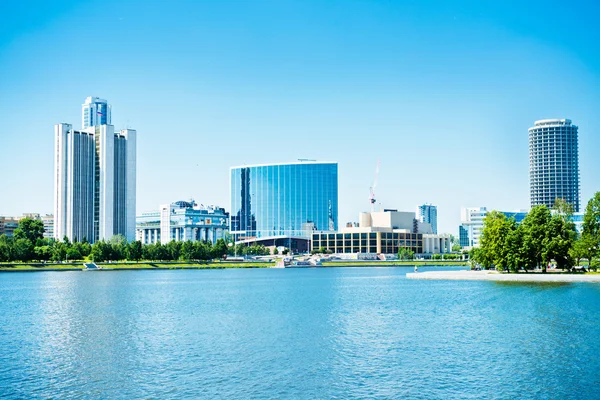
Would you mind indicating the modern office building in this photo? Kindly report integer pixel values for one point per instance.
(95, 178)
(428, 213)
(182, 221)
(383, 232)
(281, 204)
(469, 232)
(553, 162)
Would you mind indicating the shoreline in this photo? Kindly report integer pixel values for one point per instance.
(146, 266)
(493, 276)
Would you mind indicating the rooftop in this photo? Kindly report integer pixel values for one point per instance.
(299, 162)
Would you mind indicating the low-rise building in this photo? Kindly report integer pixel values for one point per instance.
(182, 221)
(383, 232)
(8, 225)
(48, 221)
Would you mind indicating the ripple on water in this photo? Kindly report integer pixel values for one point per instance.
(316, 333)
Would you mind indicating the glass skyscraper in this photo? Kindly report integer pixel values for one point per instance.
(283, 200)
(553, 162)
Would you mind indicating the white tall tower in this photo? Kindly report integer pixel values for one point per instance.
(95, 111)
(553, 162)
(95, 181)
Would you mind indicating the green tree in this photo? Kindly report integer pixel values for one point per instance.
(43, 253)
(102, 251)
(5, 248)
(591, 228)
(580, 249)
(188, 251)
(22, 250)
(134, 250)
(479, 257)
(118, 245)
(495, 237)
(174, 250)
(560, 238)
(219, 250)
(535, 237)
(513, 254)
(161, 253)
(31, 229)
(73, 254)
(405, 253)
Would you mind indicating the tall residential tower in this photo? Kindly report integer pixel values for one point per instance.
(428, 213)
(553, 162)
(95, 177)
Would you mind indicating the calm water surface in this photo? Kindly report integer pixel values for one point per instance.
(294, 334)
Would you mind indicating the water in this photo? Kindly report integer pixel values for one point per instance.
(294, 334)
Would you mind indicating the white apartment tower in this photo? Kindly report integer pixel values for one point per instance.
(553, 162)
(95, 177)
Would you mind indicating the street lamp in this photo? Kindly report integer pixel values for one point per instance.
(231, 244)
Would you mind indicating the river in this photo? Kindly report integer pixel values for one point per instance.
(319, 333)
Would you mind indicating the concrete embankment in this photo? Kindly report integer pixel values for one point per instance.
(500, 277)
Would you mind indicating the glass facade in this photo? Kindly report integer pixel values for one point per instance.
(367, 242)
(285, 200)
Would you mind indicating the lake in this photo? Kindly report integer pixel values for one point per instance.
(326, 333)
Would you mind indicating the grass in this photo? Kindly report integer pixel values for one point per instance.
(131, 265)
(152, 265)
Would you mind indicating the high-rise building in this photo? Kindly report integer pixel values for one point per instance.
(428, 213)
(95, 179)
(553, 162)
(271, 203)
(95, 111)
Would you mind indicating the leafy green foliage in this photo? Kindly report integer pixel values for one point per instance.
(30, 229)
(405, 253)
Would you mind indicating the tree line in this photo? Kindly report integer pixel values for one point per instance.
(543, 237)
(29, 245)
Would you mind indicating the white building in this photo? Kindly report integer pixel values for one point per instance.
(553, 162)
(428, 213)
(383, 232)
(471, 227)
(48, 221)
(95, 111)
(471, 219)
(182, 221)
(95, 178)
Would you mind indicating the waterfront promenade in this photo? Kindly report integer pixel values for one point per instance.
(502, 277)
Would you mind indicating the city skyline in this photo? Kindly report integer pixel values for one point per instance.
(442, 94)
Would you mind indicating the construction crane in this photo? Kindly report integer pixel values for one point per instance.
(372, 188)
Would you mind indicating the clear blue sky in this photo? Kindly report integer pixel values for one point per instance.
(441, 93)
